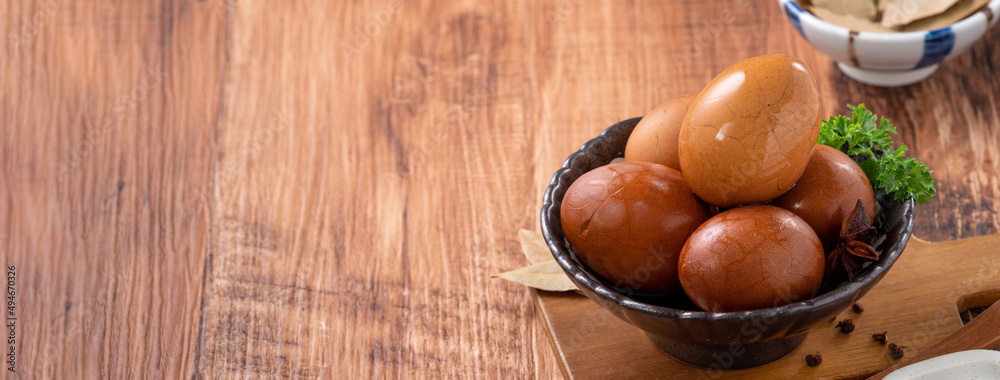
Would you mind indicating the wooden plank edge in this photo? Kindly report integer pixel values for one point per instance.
(556, 347)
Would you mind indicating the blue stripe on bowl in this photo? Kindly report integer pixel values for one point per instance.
(937, 45)
(793, 16)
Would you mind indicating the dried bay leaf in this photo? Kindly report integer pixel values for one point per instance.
(881, 5)
(534, 247)
(892, 16)
(957, 12)
(859, 9)
(849, 22)
(901, 12)
(545, 275)
(544, 272)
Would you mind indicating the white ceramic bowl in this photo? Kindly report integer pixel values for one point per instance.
(972, 364)
(890, 59)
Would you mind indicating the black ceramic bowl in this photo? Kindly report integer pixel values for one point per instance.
(712, 340)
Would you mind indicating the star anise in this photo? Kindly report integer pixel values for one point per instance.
(854, 248)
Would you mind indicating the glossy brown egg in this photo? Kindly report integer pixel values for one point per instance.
(628, 221)
(749, 133)
(751, 257)
(654, 139)
(828, 191)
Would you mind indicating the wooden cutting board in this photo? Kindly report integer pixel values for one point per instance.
(918, 303)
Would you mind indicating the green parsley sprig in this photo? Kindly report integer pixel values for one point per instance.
(887, 168)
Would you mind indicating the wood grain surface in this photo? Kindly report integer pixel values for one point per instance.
(916, 305)
(238, 188)
(982, 332)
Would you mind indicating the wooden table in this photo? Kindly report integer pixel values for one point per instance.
(322, 189)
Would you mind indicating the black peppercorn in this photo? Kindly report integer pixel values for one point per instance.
(857, 308)
(879, 337)
(896, 351)
(814, 360)
(846, 326)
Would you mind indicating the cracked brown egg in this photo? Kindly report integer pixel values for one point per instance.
(627, 222)
(828, 191)
(751, 257)
(654, 139)
(749, 133)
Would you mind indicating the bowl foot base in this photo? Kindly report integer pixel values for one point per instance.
(728, 356)
(887, 78)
